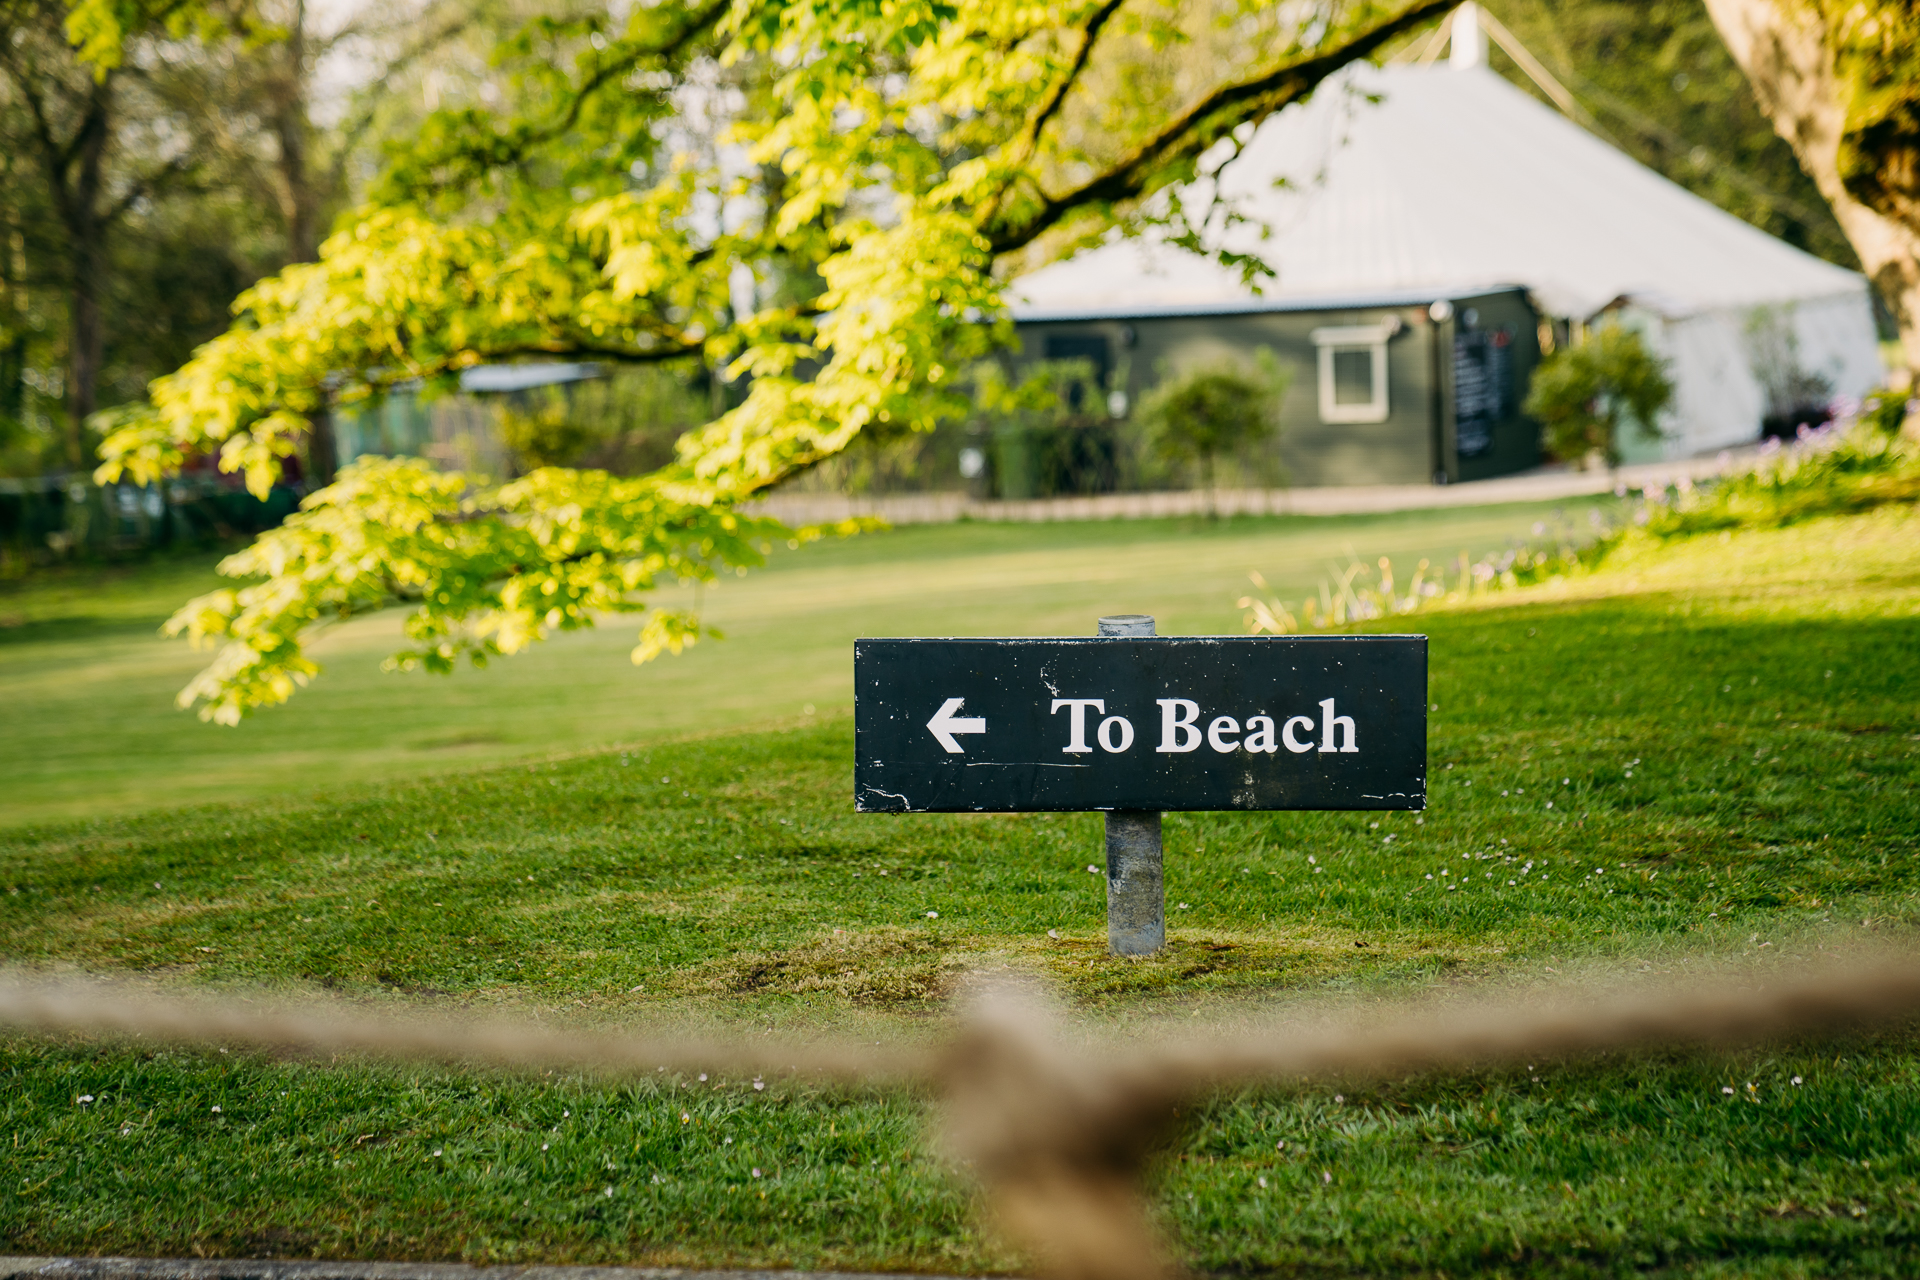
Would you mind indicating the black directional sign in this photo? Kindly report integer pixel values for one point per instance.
(1231, 722)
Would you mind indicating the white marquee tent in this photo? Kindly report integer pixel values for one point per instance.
(1453, 182)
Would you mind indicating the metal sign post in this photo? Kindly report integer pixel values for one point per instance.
(1136, 883)
(1133, 724)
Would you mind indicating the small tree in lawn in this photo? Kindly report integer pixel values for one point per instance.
(1585, 394)
(1208, 410)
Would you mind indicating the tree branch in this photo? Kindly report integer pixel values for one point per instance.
(52, 154)
(146, 184)
(1051, 107)
(1202, 124)
(557, 347)
(1023, 148)
(610, 71)
(351, 133)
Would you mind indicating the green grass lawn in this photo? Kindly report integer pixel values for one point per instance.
(1706, 751)
(88, 685)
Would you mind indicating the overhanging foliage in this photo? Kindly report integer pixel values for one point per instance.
(865, 166)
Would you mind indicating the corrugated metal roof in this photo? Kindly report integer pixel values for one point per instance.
(1451, 176)
(523, 377)
(1251, 305)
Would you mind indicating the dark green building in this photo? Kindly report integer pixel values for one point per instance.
(1407, 389)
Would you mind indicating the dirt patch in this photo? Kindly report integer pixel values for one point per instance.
(889, 966)
(1237, 961)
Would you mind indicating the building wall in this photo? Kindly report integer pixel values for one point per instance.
(1512, 441)
(1719, 402)
(1409, 446)
(459, 432)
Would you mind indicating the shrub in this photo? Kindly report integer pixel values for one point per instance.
(1584, 394)
(1854, 464)
(547, 435)
(1205, 411)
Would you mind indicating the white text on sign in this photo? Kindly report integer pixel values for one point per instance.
(1180, 730)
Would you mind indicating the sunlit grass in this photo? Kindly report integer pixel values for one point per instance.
(89, 685)
(1709, 752)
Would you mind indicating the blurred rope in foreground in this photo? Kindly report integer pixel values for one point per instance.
(1060, 1134)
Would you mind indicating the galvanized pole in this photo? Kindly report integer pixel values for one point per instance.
(1136, 898)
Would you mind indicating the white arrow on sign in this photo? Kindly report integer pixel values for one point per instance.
(945, 724)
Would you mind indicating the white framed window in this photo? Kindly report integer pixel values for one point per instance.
(1353, 372)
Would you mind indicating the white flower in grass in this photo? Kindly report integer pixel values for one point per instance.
(85, 1098)
(933, 915)
(216, 1111)
(756, 1173)
(1263, 1183)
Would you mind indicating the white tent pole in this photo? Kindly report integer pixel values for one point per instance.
(1468, 48)
(1430, 52)
(1536, 72)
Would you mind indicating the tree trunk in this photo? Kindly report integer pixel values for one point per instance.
(300, 193)
(300, 202)
(1782, 46)
(323, 456)
(86, 344)
(86, 228)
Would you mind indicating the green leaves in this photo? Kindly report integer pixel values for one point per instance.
(1873, 47)
(1213, 409)
(100, 29)
(483, 570)
(814, 194)
(1585, 394)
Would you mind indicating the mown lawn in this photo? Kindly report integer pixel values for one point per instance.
(1708, 751)
(89, 685)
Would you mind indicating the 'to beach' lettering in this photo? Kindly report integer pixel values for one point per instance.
(1180, 730)
(1141, 723)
